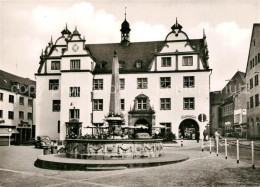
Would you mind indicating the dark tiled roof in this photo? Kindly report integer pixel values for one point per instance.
(7, 80)
(143, 51)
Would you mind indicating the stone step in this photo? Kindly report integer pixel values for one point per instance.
(105, 168)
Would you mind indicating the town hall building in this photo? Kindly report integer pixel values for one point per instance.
(161, 83)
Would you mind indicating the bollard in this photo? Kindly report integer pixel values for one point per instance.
(46, 150)
(210, 145)
(181, 142)
(217, 147)
(226, 148)
(202, 145)
(237, 151)
(253, 160)
(54, 149)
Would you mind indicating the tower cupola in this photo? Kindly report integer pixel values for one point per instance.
(125, 32)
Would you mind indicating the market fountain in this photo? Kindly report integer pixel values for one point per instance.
(115, 146)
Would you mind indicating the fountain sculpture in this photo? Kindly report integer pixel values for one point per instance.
(114, 147)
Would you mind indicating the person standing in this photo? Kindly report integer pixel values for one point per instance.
(198, 136)
(216, 138)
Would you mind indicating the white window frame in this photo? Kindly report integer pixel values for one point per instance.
(141, 104)
(75, 64)
(98, 84)
(142, 83)
(188, 82)
(188, 103)
(98, 104)
(164, 81)
(165, 103)
(55, 65)
(74, 91)
(76, 113)
(166, 62)
(187, 61)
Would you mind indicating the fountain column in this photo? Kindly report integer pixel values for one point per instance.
(114, 117)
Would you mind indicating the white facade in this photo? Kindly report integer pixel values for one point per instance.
(17, 105)
(177, 47)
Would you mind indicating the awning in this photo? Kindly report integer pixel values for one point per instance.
(4, 132)
(14, 131)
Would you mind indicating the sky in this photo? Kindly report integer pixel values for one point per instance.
(26, 27)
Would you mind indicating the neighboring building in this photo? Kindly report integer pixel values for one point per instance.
(228, 107)
(215, 113)
(17, 96)
(234, 88)
(252, 80)
(162, 82)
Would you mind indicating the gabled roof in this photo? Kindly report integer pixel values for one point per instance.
(8, 80)
(136, 51)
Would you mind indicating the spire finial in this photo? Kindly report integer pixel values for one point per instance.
(204, 35)
(66, 27)
(176, 21)
(125, 13)
(75, 28)
(42, 53)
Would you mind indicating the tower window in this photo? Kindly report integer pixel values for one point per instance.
(74, 91)
(102, 65)
(56, 105)
(122, 84)
(53, 84)
(74, 114)
(122, 104)
(75, 64)
(98, 84)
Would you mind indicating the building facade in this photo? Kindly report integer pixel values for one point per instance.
(252, 80)
(161, 83)
(17, 98)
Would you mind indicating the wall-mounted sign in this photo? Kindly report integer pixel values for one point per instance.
(188, 116)
(202, 117)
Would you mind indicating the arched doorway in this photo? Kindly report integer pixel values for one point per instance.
(188, 129)
(143, 125)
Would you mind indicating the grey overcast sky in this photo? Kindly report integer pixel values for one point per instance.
(26, 27)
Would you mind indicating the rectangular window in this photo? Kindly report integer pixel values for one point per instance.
(10, 115)
(141, 104)
(122, 84)
(74, 114)
(98, 104)
(141, 83)
(58, 126)
(56, 105)
(74, 64)
(166, 61)
(188, 82)
(74, 91)
(1, 113)
(188, 103)
(55, 65)
(187, 61)
(11, 99)
(165, 82)
(251, 102)
(21, 100)
(251, 83)
(122, 104)
(1, 96)
(98, 84)
(257, 100)
(29, 116)
(255, 60)
(21, 115)
(165, 103)
(251, 66)
(258, 57)
(30, 102)
(256, 80)
(53, 84)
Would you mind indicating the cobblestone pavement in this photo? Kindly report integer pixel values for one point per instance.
(202, 169)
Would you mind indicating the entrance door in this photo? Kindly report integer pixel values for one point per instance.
(188, 129)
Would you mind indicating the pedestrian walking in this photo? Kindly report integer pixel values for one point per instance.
(197, 136)
(216, 138)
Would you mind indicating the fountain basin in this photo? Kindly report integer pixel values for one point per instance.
(97, 149)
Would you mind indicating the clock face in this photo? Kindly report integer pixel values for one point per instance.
(75, 47)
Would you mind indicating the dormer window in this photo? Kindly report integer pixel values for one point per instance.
(166, 61)
(138, 64)
(102, 65)
(55, 65)
(187, 61)
(121, 64)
